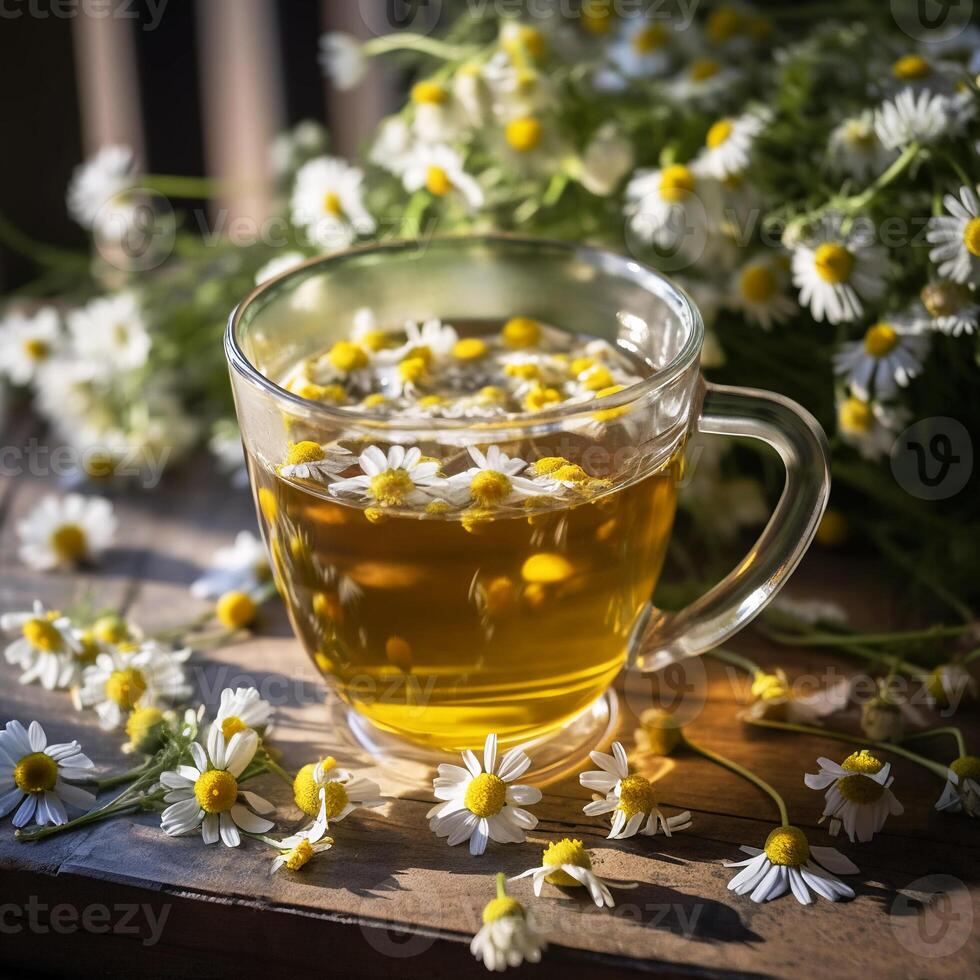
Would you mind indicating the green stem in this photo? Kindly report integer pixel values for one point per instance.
(862, 200)
(122, 804)
(745, 774)
(736, 660)
(420, 43)
(173, 185)
(968, 658)
(786, 726)
(47, 255)
(867, 639)
(278, 770)
(125, 777)
(934, 732)
(501, 885)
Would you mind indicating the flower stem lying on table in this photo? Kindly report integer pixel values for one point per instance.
(933, 732)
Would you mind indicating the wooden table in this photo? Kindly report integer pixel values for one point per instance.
(123, 899)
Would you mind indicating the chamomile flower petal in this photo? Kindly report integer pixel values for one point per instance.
(956, 237)
(328, 203)
(63, 532)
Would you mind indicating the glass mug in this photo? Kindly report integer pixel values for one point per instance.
(437, 628)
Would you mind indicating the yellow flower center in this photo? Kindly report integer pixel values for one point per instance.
(42, 635)
(971, 236)
(390, 487)
(36, 773)
(375, 400)
(499, 596)
(650, 38)
(701, 69)
(235, 610)
(773, 692)
(565, 851)
(304, 452)
(299, 856)
(521, 332)
(833, 263)
(37, 350)
(429, 93)
(501, 908)
(336, 798)
(69, 542)
(267, 499)
(658, 733)
(967, 767)
(491, 395)
(910, 67)
(524, 134)
(547, 568)
(880, 340)
(571, 473)
(216, 791)
(858, 788)
(125, 687)
(347, 356)
(608, 414)
(110, 629)
(945, 298)
(143, 729)
(676, 183)
(719, 133)
(833, 529)
(636, 796)
(413, 369)
(486, 795)
(787, 846)
(758, 284)
(527, 372)
(548, 464)
(598, 378)
(306, 792)
(722, 24)
(598, 19)
(855, 415)
(232, 725)
(489, 487)
(375, 340)
(540, 397)
(525, 38)
(437, 181)
(469, 349)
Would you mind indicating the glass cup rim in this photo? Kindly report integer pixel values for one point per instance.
(604, 259)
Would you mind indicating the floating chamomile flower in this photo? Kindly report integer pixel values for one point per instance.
(507, 936)
(670, 208)
(789, 862)
(493, 480)
(484, 803)
(308, 460)
(243, 567)
(566, 863)
(123, 680)
(912, 117)
(956, 237)
(243, 708)
(887, 358)
(36, 777)
(207, 794)
(65, 532)
(962, 790)
(859, 798)
(97, 181)
(773, 698)
(27, 343)
(109, 334)
(629, 797)
(855, 150)
(47, 649)
(757, 291)
(328, 202)
(870, 427)
(439, 169)
(402, 477)
(729, 143)
(339, 791)
(297, 850)
(342, 59)
(835, 270)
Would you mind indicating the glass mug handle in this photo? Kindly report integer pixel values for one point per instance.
(800, 441)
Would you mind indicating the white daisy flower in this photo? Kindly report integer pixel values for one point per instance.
(292, 147)
(729, 143)
(63, 532)
(241, 709)
(870, 427)
(917, 71)
(773, 697)
(338, 792)
(606, 160)
(859, 798)
(757, 292)
(439, 169)
(243, 567)
(671, 208)
(962, 790)
(484, 803)
(957, 237)
(493, 480)
(47, 649)
(276, 266)
(507, 936)
(207, 794)
(122, 680)
(948, 684)
(109, 334)
(328, 203)
(517, 92)
(789, 862)
(855, 150)
(297, 850)
(703, 82)
(912, 117)
(566, 863)
(630, 798)
(642, 49)
(401, 477)
(342, 59)
(308, 460)
(36, 777)
(27, 343)
(436, 117)
(834, 271)
(393, 147)
(97, 181)
(886, 359)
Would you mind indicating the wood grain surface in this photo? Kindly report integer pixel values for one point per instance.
(390, 898)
